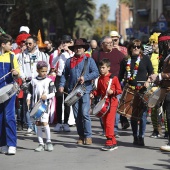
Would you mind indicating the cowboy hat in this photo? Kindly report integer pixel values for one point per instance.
(79, 42)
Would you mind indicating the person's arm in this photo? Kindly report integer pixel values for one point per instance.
(93, 70)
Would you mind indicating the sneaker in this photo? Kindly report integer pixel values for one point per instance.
(165, 148)
(80, 141)
(66, 128)
(29, 132)
(155, 135)
(88, 141)
(4, 149)
(166, 135)
(125, 125)
(39, 148)
(117, 135)
(109, 148)
(49, 146)
(11, 150)
(58, 128)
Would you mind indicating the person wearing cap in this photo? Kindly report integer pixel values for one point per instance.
(115, 38)
(27, 61)
(73, 69)
(163, 78)
(24, 30)
(20, 40)
(154, 57)
(59, 58)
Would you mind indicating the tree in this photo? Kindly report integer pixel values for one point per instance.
(104, 13)
(126, 2)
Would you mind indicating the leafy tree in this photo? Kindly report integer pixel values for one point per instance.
(104, 13)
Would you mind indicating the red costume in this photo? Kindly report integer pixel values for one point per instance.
(109, 118)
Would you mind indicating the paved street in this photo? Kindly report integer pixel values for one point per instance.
(69, 156)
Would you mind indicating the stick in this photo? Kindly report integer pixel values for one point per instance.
(5, 75)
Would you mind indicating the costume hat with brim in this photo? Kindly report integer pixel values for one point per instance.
(66, 38)
(40, 42)
(79, 42)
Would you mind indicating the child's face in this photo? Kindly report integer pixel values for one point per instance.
(42, 72)
(7, 47)
(104, 69)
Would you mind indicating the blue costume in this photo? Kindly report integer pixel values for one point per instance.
(7, 108)
(82, 106)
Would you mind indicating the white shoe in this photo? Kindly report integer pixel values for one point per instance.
(29, 132)
(11, 150)
(58, 127)
(4, 149)
(66, 128)
(165, 148)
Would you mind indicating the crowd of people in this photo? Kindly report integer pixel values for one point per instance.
(37, 79)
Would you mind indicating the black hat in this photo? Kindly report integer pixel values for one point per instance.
(66, 38)
(79, 42)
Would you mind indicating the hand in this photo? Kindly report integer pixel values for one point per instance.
(146, 84)
(91, 95)
(43, 97)
(28, 102)
(110, 91)
(14, 72)
(116, 46)
(81, 79)
(153, 77)
(61, 89)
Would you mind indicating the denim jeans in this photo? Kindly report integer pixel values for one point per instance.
(142, 125)
(117, 117)
(82, 117)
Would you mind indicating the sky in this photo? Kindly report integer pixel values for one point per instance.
(112, 5)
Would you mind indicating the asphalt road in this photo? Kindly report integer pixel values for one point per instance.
(69, 156)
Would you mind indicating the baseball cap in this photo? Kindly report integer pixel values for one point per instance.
(24, 29)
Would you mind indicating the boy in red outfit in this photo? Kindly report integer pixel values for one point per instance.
(115, 89)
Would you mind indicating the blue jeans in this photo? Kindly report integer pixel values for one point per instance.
(82, 117)
(117, 117)
(142, 125)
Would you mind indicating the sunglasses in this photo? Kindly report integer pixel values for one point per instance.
(28, 43)
(115, 40)
(152, 42)
(64, 42)
(136, 46)
(23, 41)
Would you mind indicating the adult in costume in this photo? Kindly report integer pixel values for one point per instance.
(135, 71)
(73, 70)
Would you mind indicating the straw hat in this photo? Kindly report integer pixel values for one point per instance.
(40, 42)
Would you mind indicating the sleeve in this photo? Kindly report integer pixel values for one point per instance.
(97, 92)
(16, 65)
(52, 90)
(65, 74)
(116, 87)
(93, 70)
(122, 70)
(149, 66)
(30, 90)
(20, 62)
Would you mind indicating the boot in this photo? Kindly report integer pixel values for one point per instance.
(141, 141)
